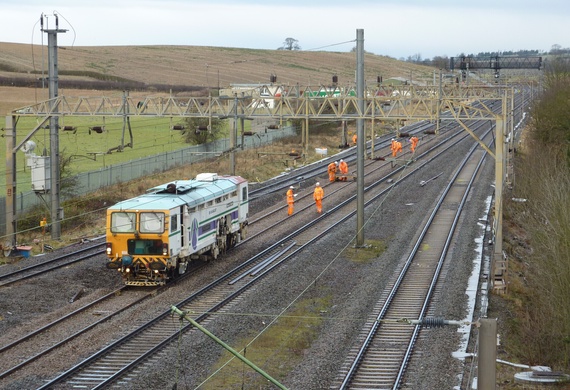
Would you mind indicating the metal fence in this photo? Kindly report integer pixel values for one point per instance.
(91, 181)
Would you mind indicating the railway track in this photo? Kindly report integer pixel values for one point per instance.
(43, 267)
(35, 350)
(312, 171)
(116, 362)
(304, 201)
(292, 244)
(388, 338)
(45, 339)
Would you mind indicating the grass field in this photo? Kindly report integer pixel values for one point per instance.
(202, 66)
(149, 135)
(192, 66)
(89, 150)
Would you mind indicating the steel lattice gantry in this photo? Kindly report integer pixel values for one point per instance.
(404, 102)
(495, 62)
(394, 103)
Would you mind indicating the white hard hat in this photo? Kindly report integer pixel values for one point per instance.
(341, 160)
(291, 187)
(317, 184)
(336, 162)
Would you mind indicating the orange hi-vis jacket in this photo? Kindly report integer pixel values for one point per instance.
(290, 201)
(393, 148)
(414, 140)
(290, 196)
(332, 171)
(319, 193)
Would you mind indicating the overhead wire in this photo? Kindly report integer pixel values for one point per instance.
(77, 200)
(34, 58)
(169, 136)
(331, 45)
(117, 127)
(56, 13)
(309, 285)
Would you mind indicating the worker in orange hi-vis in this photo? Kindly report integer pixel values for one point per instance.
(332, 171)
(394, 147)
(343, 167)
(290, 200)
(318, 196)
(354, 139)
(398, 147)
(414, 141)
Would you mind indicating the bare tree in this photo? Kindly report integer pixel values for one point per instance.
(556, 48)
(440, 62)
(290, 44)
(416, 58)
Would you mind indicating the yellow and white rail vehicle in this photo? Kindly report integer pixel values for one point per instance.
(151, 238)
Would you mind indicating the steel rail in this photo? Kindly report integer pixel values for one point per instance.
(351, 374)
(153, 349)
(157, 346)
(21, 273)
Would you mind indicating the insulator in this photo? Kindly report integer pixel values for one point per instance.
(248, 133)
(69, 128)
(97, 129)
(177, 127)
(429, 132)
(430, 322)
(335, 79)
(273, 127)
(202, 128)
(273, 78)
(404, 135)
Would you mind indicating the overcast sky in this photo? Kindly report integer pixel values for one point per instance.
(397, 28)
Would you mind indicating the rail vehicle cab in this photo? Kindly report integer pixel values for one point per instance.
(140, 240)
(152, 238)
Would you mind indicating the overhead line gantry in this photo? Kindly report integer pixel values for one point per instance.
(383, 103)
(380, 103)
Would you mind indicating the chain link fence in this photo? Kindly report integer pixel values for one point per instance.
(91, 181)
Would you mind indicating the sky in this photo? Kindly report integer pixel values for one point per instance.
(396, 28)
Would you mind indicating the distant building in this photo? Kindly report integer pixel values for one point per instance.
(263, 95)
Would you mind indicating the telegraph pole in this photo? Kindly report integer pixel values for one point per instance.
(360, 138)
(56, 210)
(233, 137)
(498, 261)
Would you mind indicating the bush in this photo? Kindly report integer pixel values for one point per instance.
(541, 329)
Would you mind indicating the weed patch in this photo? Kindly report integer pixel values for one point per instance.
(371, 250)
(276, 351)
